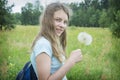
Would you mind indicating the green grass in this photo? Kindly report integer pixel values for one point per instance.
(100, 59)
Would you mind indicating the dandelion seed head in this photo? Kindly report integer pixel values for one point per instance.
(85, 38)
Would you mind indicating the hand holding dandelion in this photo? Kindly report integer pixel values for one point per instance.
(85, 38)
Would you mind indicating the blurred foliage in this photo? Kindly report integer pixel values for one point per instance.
(6, 18)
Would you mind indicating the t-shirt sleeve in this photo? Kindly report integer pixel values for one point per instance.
(42, 46)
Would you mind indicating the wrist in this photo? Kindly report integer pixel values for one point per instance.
(70, 62)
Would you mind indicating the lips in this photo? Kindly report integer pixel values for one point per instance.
(59, 31)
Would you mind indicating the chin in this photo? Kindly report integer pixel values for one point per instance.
(59, 34)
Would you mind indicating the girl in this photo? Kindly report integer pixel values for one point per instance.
(48, 49)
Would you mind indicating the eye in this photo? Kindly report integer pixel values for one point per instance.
(66, 22)
(58, 19)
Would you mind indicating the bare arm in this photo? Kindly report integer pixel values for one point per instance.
(44, 64)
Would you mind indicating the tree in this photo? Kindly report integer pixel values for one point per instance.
(90, 13)
(27, 11)
(115, 17)
(30, 13)
(6, 19)
(17, 18)
(104, 4)
(85, 14)
(104, 19)
(37, 12)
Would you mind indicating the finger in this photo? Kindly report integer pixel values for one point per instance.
(79, 49)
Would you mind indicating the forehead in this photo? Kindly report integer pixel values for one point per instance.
(61, 14)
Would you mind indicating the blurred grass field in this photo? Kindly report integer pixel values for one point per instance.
(101, 59)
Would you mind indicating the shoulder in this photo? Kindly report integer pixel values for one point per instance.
(43, 41)
(43, 45)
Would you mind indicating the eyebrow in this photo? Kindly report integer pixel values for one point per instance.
(61, 18)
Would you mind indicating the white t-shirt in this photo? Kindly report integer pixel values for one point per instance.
(43, 45)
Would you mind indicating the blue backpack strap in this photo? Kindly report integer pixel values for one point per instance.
(32, 73)
(27, 73)
(27, 65)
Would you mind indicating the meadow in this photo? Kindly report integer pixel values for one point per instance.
(101, 59)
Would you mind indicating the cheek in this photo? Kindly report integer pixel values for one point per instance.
(57, 23)
(62, 31)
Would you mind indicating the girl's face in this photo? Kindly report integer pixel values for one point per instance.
(60, 21)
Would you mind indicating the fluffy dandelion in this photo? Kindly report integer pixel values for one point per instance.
(85, 38)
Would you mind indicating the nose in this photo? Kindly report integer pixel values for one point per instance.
(62, 24)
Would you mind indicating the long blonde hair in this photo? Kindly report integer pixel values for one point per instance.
(48, 29)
